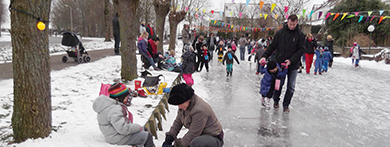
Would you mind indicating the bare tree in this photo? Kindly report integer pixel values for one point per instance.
(31, 117)
(175, 17)
(107, 22)
(161, 8)
(127, 17)
(2, 13)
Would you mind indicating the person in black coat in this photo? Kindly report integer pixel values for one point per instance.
(116, 32)
(329, 44)
(211, 43)
(287, 47)
(197, 46)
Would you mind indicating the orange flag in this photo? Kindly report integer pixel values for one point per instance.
(261, 4)
(337, 15)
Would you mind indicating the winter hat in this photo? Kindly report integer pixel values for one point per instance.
(118, 90)
(271, 65)
(326, 48)
(355, 43)
(180, 94)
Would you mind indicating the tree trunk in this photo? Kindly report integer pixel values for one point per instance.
(161, 8)
(31, 116)
(174, 19)
(127, 17)
(107, 21)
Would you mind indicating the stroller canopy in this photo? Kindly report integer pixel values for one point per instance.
(70, 39)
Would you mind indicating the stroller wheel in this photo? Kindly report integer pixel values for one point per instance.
(79, 60)
(64, 59)
(87, 58)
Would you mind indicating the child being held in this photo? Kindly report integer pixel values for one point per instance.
(229, 61)
(273, 73)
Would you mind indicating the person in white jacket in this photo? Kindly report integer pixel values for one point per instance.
(115, 120)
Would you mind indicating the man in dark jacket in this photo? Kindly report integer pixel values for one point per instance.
(197, 46)
(117, 35)
(288, 44)
(211, 42)
(197, 116)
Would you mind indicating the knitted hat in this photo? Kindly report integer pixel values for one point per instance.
(118, 90)
(271, 65)
(180, 94)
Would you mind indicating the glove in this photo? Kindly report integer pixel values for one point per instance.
(144, 128)
(284, 65)
(168, 141)
(262, 62)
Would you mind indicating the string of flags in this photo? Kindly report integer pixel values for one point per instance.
(342, 15)
(233, 28)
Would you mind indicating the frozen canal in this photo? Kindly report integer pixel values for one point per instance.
(347, 106)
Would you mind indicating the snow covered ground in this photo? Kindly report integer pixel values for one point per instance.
(75, 88)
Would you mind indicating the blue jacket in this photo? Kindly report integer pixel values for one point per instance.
(143, 46)
(319, 57)
(327, 56)
(267, 79)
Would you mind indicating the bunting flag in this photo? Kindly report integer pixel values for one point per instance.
(337, 15)
(215, 22)
(380, 20)
(381, 12)
(204, 11)
(298, 16)
(247, 2)
(196, 9)
(186, 9)
(332, 14)
(273, 7)
(212, 11)
(240, 14)
(369, 13)
(311, 13)
(261, 15)
(201, 17)
(222, 24)
(178, 7)
(232, 1)
(232, 26)
(231, 13)
(350, 16)
(367, 19)
(276, 16)
(319, 14)
(303, 13)
(221, 12)
(261, 4)
(345, 14)
(361, 18)
(373, 18)
(287, 16)
(265, 16)
(285, 9)
(327, 15)
(356, 13)
(219, 23)
(196, 15)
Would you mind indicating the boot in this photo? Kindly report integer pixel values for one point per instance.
(227, 74)
(141, 93)
(231, 73)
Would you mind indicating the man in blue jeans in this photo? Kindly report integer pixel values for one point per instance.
(288, 46)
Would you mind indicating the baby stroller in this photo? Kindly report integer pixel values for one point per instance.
(76, 50)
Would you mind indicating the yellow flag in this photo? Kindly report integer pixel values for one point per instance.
(273, 7)
(232, 26)
(344, 16)
(215, 22)
(196, 9)
(276, 16)
(231, 13)
(265, 16)
(261, 15)
(204, 10)
(261, 4)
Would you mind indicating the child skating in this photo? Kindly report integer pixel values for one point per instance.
(220, 49)
(229, 61)
(273, 73)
